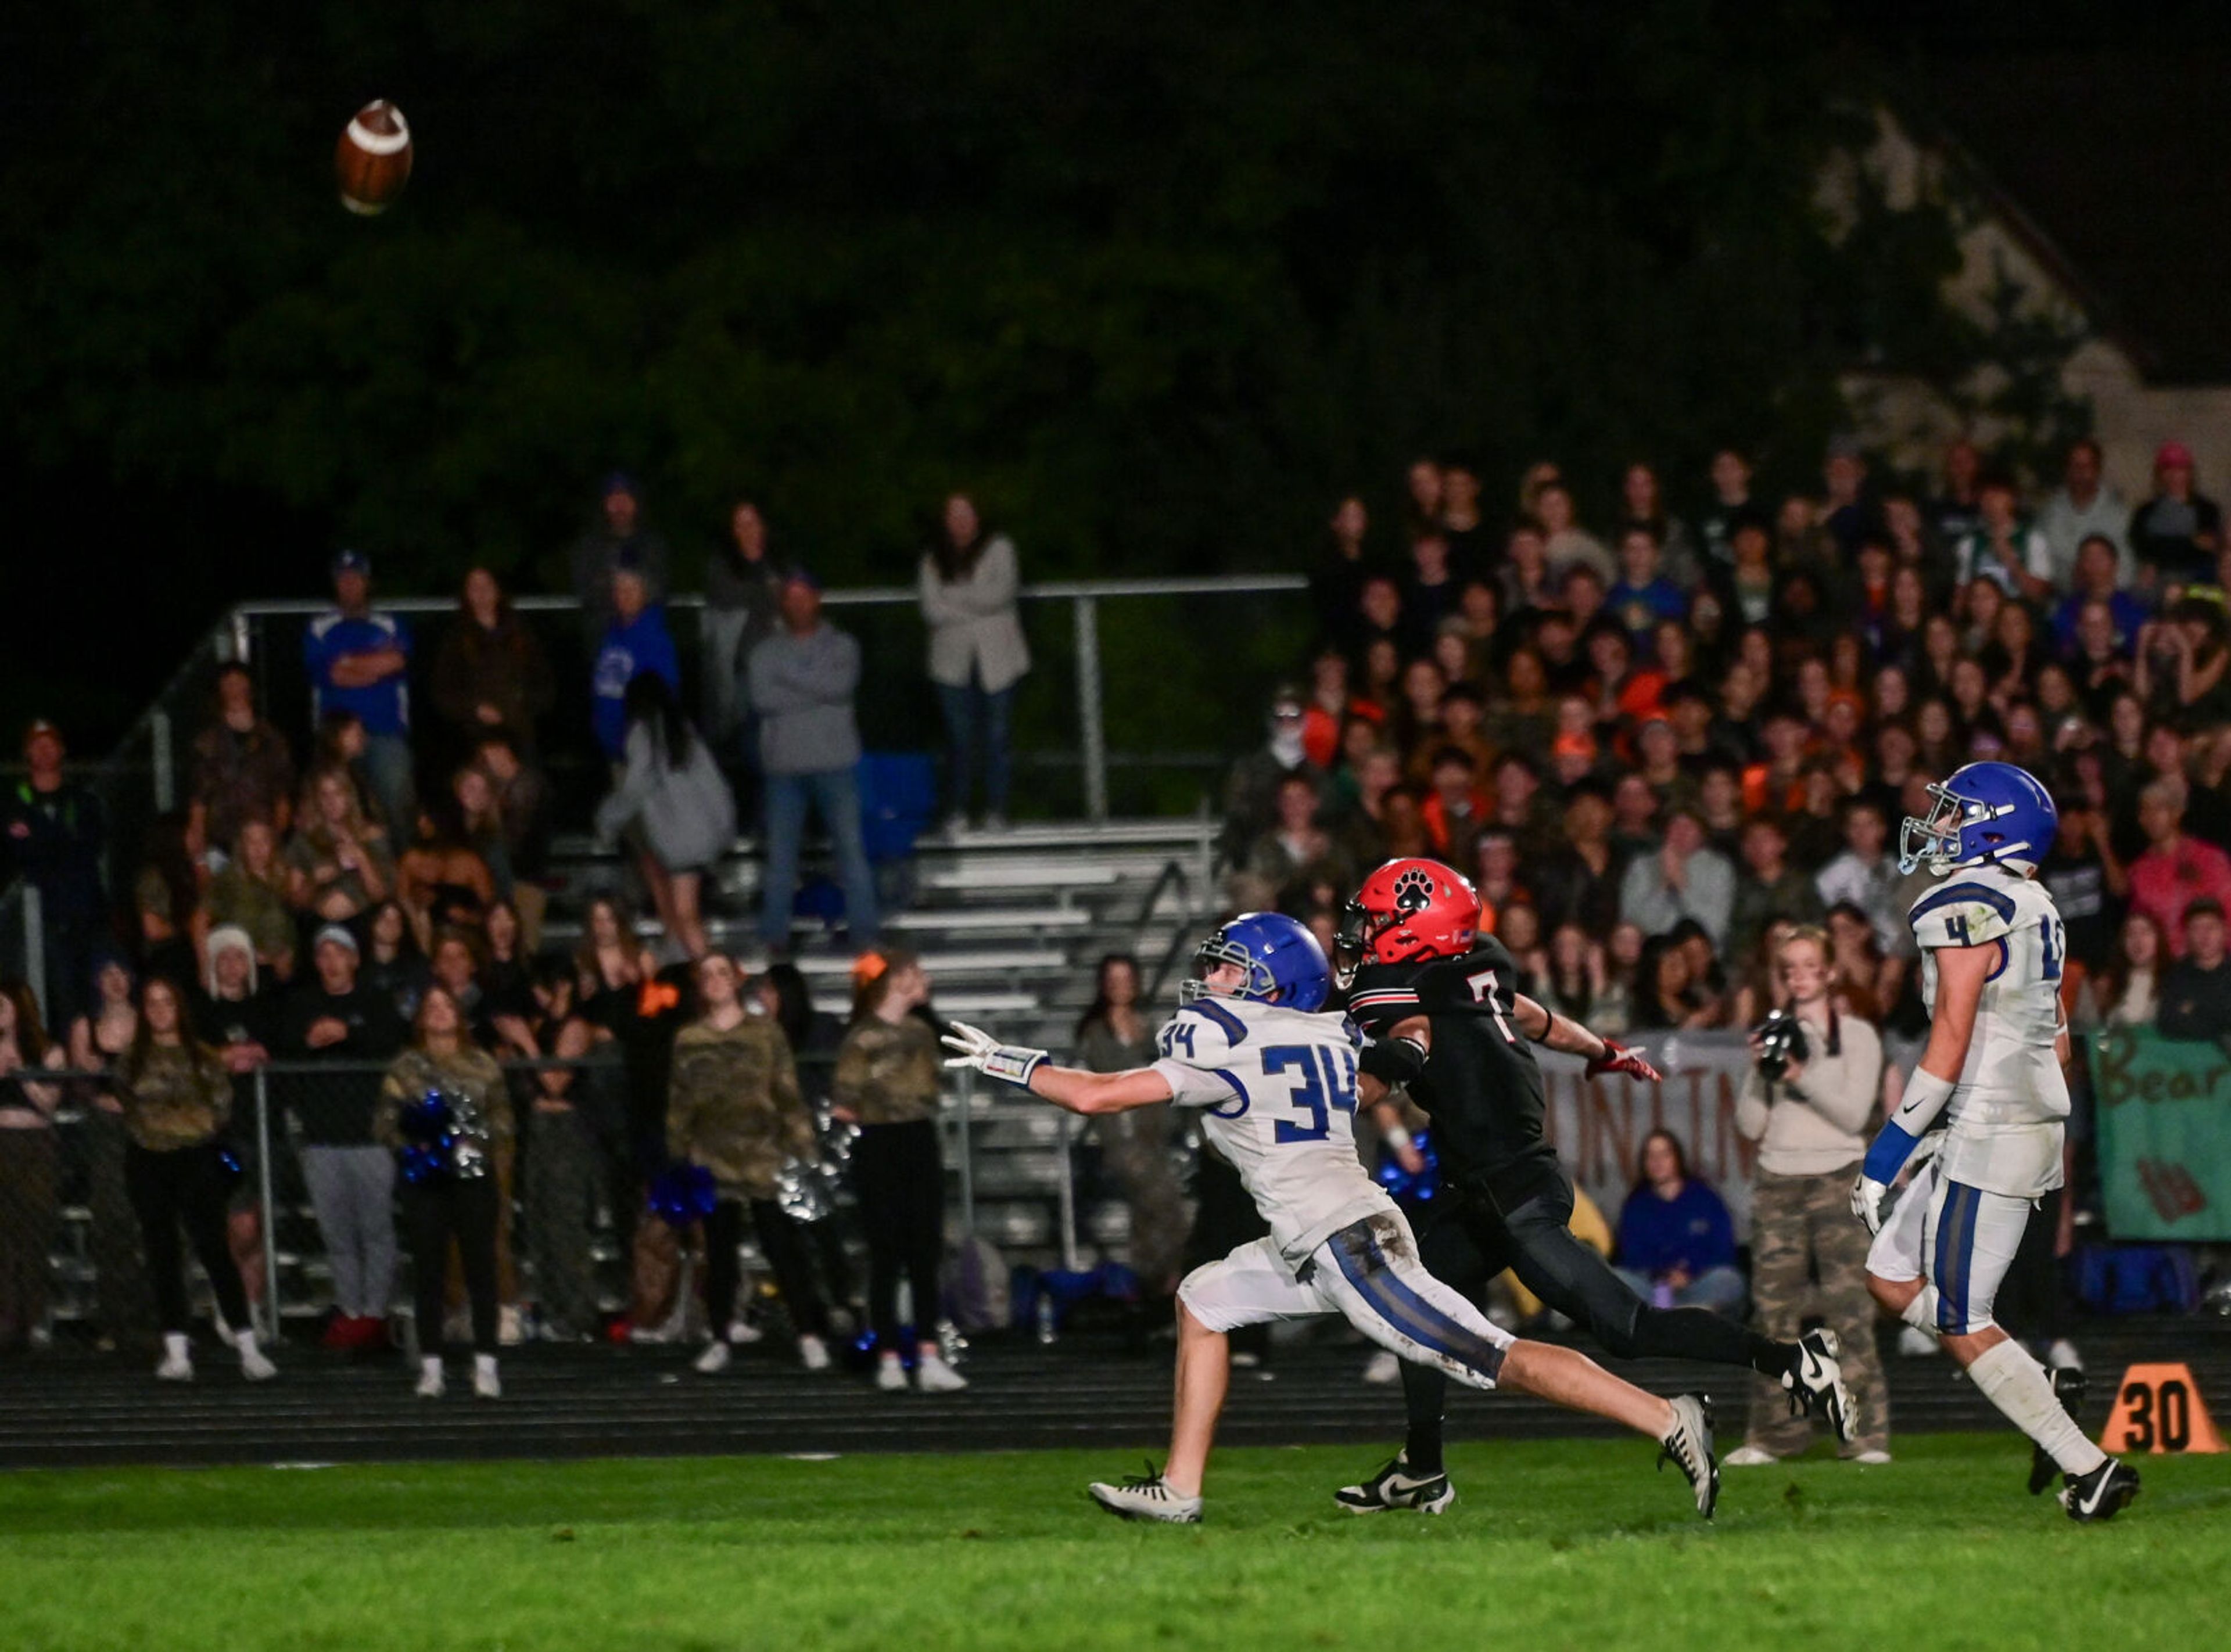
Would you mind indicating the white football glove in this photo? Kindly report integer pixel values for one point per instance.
(972, 1047)
(1867, 1197)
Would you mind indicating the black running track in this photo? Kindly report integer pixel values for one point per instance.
(66, 1408)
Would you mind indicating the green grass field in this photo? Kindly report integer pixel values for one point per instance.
(1555, 1543)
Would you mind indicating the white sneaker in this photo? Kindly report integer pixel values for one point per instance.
(1382, 1368)
(646, 1336)
(714, 1359)
(253, 1364)
(1914, 1342)
(1146, 1497)
(430, 1378)
(932, 1375)
(1872, 1459)
(485, 1383)
(890, 1374)
(2062, 1356)
(742, 1334)
(508, 1331)
(177, 1365)
(1688, 1445)
(813, 1353)
(1748, 1456)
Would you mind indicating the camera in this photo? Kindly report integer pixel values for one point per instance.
(1781, 1041)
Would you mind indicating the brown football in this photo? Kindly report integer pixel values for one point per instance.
(372, 159)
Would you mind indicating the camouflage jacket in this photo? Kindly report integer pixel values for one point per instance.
(732, 1105)
(470, 1074)
(170, 1102)
(889, 1075)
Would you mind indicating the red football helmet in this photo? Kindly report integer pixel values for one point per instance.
(1408, 910)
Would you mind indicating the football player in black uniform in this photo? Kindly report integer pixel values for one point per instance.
(1447, 1023)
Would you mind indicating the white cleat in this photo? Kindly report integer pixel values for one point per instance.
(932, 1375)
(891, 1373)
(714, 1359)
(1816, 1383)
(1146, 1497)
(813, 1353)
(1688, 1445)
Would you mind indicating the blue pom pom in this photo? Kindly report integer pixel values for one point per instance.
(1406, 1187)
(683, 1195)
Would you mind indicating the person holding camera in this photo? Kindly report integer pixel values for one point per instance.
(1807, 1103)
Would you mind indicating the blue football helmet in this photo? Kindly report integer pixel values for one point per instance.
(1984, 812)
(1284, 965)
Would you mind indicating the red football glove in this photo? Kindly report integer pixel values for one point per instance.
(1618, 1058)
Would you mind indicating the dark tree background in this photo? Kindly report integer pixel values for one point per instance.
(1158, 281)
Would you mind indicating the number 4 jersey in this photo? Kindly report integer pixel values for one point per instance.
(2003, 1125)
(1277, 1091)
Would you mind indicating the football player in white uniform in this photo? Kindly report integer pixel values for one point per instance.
(1991, 947)
(1275, 1081)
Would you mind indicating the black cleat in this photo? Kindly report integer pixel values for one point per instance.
(2100, 1494)
(1395, 1486)
(2068, 1388)
(1815, 1380)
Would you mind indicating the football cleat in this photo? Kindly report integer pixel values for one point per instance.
(1146, 1497)
(1688, 1446)
(1393, 1487)
(1816, 1379)
(2100, 1494)
(2068, 1388)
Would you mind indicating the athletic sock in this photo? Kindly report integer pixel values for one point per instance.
(2017, 1385)
(1425, 1396)
(1921, 1313)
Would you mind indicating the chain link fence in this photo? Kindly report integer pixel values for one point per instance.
(578, 1247)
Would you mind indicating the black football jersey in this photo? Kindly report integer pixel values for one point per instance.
(1481, 1087)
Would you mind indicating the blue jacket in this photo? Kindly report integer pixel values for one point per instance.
(1692, 1232)
(385, 706)
(643, 645)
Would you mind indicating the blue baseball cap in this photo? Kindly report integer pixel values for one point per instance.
(352, 561)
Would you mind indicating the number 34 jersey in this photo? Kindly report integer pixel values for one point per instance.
(1277, 1091)
(2004, 1122)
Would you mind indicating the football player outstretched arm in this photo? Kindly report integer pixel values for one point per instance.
(1962, 972)
(1400, 1055)
(1065, 1086)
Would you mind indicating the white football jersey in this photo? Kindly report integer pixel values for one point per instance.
(2006, 1114)
(1277, 1091)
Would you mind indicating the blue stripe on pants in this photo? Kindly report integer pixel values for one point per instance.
(1955, 1262)
(1393, 1300)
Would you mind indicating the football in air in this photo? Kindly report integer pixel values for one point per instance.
(372, 160)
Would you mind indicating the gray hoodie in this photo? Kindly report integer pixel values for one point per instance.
(802, 688)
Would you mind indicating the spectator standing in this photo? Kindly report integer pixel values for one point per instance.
(1136, 1146)
(177, 1099)
(2081, 508)
(560, 1172)
(2002, 548)
(232, 1012)
(889, 1071)
(1810, 1123)
(1677, 1243)
(2196, 993)
(53, 834)
(2174, 535)
(1866, 875)
(743, 606)
(2127, 991)
(100, 1040)
(29, 1160)
(459, 1199)
(336, 1020)
(672, 792)
(1336, 582)
(491, 675)
(358, 661)
(2176, 869)
(1771, 888)
(1680, 879)
(339, 863)
(968, 580)
(734, 1108)
(617, 537)
(803, 679)
(1566, 544)
(251, 892)
(1731, 504)
(635, 641)
(243, 768)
